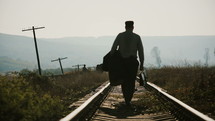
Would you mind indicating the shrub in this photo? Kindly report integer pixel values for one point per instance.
(31, 97)
(19, 102)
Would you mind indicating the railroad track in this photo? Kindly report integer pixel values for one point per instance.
(107, 104)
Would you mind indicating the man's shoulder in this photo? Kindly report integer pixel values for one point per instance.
(121, 33)
(136, 35)
(124, 33)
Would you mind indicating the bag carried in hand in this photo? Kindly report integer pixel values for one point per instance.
(142, 78)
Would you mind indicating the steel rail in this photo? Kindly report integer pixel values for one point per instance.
(192, 114)
(78, 113)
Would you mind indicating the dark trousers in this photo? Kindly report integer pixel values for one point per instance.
(130, 66)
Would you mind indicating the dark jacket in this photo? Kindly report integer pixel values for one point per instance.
(113, 65)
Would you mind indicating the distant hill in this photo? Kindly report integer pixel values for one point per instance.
(90, 50)
(8, 64)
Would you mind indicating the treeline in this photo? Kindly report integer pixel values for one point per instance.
(48, 72)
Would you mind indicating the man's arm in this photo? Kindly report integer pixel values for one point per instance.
(141, 53)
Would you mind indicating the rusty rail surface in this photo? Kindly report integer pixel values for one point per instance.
(179, 109)
(87, 109)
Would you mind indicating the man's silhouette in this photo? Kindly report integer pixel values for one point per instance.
(84, 69)
(128, 44)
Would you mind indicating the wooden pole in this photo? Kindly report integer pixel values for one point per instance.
(36, 48)
(59, 59)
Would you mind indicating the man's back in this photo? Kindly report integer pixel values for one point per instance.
(128, 44)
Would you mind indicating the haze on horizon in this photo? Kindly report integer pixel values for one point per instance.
(66, 18)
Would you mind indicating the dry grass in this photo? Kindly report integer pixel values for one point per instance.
(193, 85)
(72, 86)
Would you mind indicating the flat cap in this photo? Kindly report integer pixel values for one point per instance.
(129, 23)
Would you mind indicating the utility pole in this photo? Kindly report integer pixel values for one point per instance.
(35, 41)
(78, 66)
(59, 59)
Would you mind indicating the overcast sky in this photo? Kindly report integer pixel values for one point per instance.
(63, 18)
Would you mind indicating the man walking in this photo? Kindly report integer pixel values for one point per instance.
(128, 44)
